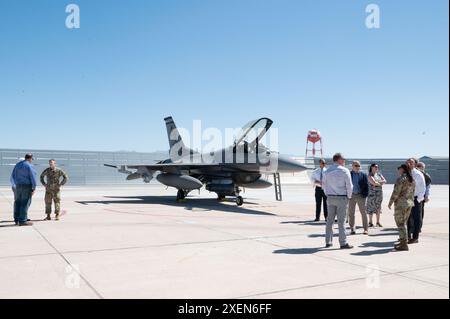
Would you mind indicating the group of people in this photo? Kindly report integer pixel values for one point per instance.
(339, 190)
(24, 182)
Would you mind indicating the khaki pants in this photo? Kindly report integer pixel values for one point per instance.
(361, 201)
(337, 208)
(401, 216)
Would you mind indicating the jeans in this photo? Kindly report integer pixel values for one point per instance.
(337, 206)
(320, 197)
(22, 202)
(14, 192)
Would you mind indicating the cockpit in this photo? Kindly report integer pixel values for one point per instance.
(253, 131)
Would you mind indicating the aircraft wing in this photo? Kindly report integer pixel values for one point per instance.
(146, 171)
(171, 166)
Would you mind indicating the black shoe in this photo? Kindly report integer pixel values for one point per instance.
(317, 219)
(353, 232)
(370, 225)
(346, 246)
(26, 224)
(328, 245)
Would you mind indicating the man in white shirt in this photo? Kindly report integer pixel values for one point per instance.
(316, 179)
(415, 219)
(421, 167)
(338, 187)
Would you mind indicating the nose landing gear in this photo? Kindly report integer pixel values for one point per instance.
(239, 199)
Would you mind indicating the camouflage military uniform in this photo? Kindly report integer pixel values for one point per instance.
(403, 199)
(52, 188)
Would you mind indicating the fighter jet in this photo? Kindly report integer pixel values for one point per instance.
(226, 172)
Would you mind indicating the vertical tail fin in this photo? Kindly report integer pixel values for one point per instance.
(172, 133)
(177, 147)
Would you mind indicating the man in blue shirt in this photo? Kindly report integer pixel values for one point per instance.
(360, 192)
(23, 182)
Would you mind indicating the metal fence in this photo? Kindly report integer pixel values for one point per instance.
(86, 168)
(83, 168)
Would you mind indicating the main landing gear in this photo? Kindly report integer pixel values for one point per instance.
(239, 199)
(181, 194)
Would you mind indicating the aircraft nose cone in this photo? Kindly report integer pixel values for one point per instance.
(287, 165)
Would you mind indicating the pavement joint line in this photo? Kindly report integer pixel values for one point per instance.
(61, 255)
(140, 213)
(387, 272)
(68, 262)
(168, 245)
(275, 215)
(384, 273)
(150, 246)
(28, 256)
(306, 287)
(404, 274)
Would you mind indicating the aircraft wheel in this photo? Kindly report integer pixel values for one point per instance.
(181, 194)
(239, 201)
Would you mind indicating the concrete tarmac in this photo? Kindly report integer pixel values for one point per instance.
(138, 242)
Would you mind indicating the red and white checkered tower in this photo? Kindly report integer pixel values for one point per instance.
(313, 137)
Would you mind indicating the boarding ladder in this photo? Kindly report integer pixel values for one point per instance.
(277, 184)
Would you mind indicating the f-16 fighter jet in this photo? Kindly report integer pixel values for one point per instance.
(244, 164)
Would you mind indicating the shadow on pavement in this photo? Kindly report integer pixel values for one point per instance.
(10, 223)
(374, 252)
(188, 204)
(387, 247)
(305, 222)
(390, 229)
(383, 234)
(302, 251)
(378, 244)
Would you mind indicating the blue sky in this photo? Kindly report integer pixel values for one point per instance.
(305, 64)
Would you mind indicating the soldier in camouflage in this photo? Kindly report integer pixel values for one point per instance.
(52, 186)
(403, 199)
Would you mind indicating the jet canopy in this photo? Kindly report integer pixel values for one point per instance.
(253, 131)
